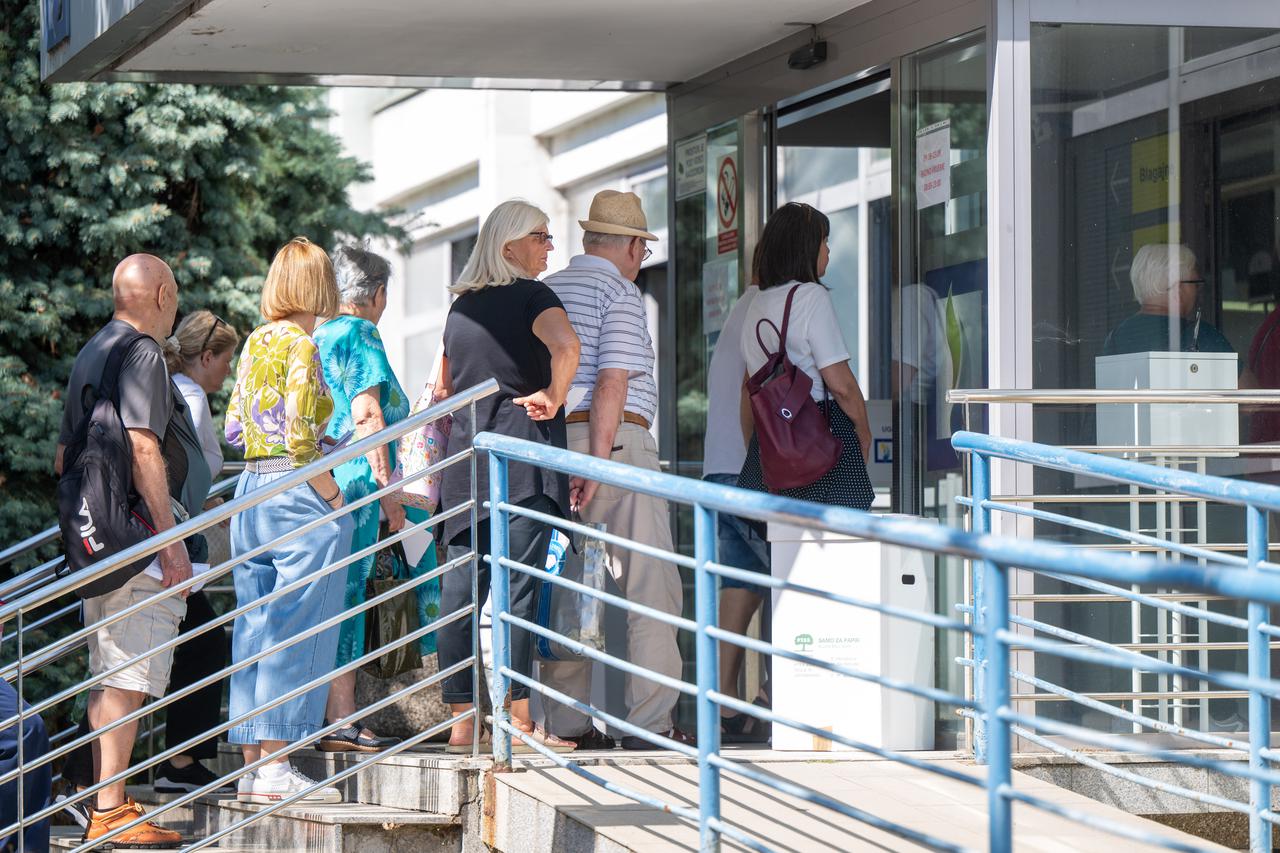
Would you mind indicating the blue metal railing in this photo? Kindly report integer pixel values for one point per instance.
(991, 628)
(989, 606)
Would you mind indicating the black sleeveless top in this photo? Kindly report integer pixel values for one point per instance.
(489, 335)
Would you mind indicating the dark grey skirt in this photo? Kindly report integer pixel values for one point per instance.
(847, 484)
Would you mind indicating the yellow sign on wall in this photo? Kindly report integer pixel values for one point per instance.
(1154, 182)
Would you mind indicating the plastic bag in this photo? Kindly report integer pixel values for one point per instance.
(576, 615)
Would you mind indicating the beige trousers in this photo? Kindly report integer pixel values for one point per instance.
(642, 579)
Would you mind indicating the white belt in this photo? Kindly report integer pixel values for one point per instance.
(270, 465)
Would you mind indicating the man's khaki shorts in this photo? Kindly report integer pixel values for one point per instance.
(124, 639)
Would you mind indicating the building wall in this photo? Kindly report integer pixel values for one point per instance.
(445, 158)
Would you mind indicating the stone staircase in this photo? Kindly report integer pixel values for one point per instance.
(414, 802)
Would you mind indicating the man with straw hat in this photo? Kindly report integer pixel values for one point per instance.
(613, 420)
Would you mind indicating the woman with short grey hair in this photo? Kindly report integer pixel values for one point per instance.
(366, 398)
(1168, 288)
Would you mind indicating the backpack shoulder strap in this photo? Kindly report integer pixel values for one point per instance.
(786, 318)
(781, 333)
(110, 386)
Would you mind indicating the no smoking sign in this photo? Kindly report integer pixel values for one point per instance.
(727, 205)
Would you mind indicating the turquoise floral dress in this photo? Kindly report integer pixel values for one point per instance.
(354, 360)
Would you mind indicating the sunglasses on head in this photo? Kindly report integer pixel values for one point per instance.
(217, 321)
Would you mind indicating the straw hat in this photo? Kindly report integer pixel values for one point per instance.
(614, 212)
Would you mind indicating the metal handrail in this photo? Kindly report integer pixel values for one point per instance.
(34, 578)
(52, 533)
(993, 625)
(995, 635)
(1189, 483)
(915, 535)
(225, 511)
(34, 599)
(1062, 396)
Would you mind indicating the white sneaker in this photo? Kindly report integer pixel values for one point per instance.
(244, 786)
(270, 791)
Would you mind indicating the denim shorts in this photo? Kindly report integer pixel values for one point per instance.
(740, 544)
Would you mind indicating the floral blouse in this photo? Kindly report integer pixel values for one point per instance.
(280, 404)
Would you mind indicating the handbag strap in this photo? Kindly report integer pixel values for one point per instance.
(781, 333)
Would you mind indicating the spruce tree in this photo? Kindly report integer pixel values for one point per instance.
(212, 179)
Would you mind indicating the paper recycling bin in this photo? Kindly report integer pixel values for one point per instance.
(852, 636)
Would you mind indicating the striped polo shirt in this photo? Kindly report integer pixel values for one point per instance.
(607, 312)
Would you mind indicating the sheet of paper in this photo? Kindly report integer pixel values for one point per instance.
(416, 544)
(574, 399)
(197, 569)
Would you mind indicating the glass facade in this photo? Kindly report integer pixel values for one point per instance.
(1139, 136)
(1146, 138)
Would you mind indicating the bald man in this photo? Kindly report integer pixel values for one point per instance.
(146, 301)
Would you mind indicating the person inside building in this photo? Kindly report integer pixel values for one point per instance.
(613, 420)
(504, 325)
(740, 544)
(1263, 364)
(1168, 287)
(367, 397)
(279, 409)
(145, 296)
(793, 255)
(199, 359)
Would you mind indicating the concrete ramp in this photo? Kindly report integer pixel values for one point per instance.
(543, 807)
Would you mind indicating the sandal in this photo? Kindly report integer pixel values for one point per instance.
(544, 739)
(744, 728)
(465, 748)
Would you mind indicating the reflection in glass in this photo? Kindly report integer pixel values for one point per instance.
(940, 305)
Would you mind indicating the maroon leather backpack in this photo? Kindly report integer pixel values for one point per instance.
(796, 444)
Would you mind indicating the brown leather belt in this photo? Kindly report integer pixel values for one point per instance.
(627, 417)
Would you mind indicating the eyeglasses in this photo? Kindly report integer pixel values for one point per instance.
(1198, 282)
(648, 253)
(217, 321)
(541, 236)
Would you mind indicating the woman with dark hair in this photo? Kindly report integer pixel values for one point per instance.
(793, 255)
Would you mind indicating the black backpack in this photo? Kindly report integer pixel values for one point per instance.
(98, 510)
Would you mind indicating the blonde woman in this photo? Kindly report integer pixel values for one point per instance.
(506, 325)
(278, 413)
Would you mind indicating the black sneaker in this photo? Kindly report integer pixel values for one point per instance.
(593, 739)
(78, 811)
(193, 777)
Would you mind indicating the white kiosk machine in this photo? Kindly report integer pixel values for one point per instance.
(855, 637)
(1163, 424)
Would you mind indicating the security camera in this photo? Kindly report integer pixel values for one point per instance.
(813, 53)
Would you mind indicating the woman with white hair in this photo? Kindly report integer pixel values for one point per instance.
(1166, 284)
(367, 397)
(504, 325)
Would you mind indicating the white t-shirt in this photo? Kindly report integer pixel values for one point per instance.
(814, 339)
(198, 404)
(724, 449)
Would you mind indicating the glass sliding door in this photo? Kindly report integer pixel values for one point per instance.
(940, 301)
(833, 153)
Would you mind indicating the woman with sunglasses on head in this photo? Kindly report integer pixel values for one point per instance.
(507, 325)
(199, 359)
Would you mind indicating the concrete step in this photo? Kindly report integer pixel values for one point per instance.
(340, 828)
(66, 838)
(424, 779)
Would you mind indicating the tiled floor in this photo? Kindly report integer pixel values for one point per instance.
(915, 799)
